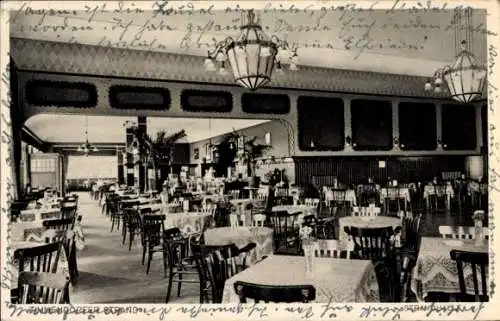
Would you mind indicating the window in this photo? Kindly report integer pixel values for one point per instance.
(206, 101)
(253, 103)
(41, 165)
(371, 122)
(417, 126)
(129, 97)
(321, 123)
(458, 127)
(60, 93)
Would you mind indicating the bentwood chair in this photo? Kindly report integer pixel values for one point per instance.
(476, 260)
(42, 288)
(152, 229)
(276, 293)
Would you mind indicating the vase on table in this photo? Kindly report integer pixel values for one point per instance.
(308, 248)
(478, 233)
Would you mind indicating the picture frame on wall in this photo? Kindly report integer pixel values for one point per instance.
(196, 153)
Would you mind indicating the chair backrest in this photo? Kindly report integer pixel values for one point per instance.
(68, 212)
(339, 195)
(276, 293)
(457, 232)
(393, 193)
(329, 248)
(60, 224)
(235, 194)
(152, 228)
(42, 288)
(440, 189)
(43, 258)
(371, 243)
(411, 227)
(259, 220)
(311, 202)
(475, 260)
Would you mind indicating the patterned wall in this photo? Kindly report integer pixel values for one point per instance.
(83, 59)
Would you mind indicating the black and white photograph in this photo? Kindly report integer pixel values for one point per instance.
(250, 153)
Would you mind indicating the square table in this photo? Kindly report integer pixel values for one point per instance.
(435, 271)
(340, 280)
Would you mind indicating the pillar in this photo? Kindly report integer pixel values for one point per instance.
(129, 161)
(139, 169)
(120, 169)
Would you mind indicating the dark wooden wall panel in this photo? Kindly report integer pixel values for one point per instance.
(355, 170)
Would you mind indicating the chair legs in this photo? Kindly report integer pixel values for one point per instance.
(179, 284)
(150, 258)
(144, 249)
(170, 281)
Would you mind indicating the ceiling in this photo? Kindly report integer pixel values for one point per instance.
(67, 129)
(399, 42)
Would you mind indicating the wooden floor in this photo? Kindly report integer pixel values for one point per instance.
(109, 273)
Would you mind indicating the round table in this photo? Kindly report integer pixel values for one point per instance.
(367, 222)
(241, 236)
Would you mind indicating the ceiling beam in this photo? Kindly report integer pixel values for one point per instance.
(29, 137)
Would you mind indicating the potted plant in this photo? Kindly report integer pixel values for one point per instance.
(253, 150)
(158, 150)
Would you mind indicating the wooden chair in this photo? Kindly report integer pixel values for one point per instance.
(313, 202)
(132, 223)
(235, 194)
(330, 248)
(259, 220)
(114, 212)
(180, 263)
(277, 293)
(59, 224)
(393, 196)
(407, 250)
(152, 234)
(438, 199)
(375, 244)
(457, 232)
(215, 264)
(69, 212)
(338, 198)
(475, 260)
(370, 243)
(42, 288)
(43, 258)
(286, 238)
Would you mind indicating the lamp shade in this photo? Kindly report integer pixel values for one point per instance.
(252, 56)
(465, 78)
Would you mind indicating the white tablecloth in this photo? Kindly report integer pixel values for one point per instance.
(430, 190)
(339, 279)
(435, 271)
(404, 193)
(350, 196)
(305, 209)
(241, 236)
(39, 214)
(366, 222)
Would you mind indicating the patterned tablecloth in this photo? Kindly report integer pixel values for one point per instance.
(241, 236)
(435, 271)
(187, 222)
(404, 193)
(350, 196)
(39, 214)
(339, 279)
(26, 231)
(367, 222)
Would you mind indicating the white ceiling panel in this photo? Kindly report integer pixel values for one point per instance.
(105, 129)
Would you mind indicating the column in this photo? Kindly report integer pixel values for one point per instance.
(129, 161)
(17, 124)
(139, 170)
(120, 169)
